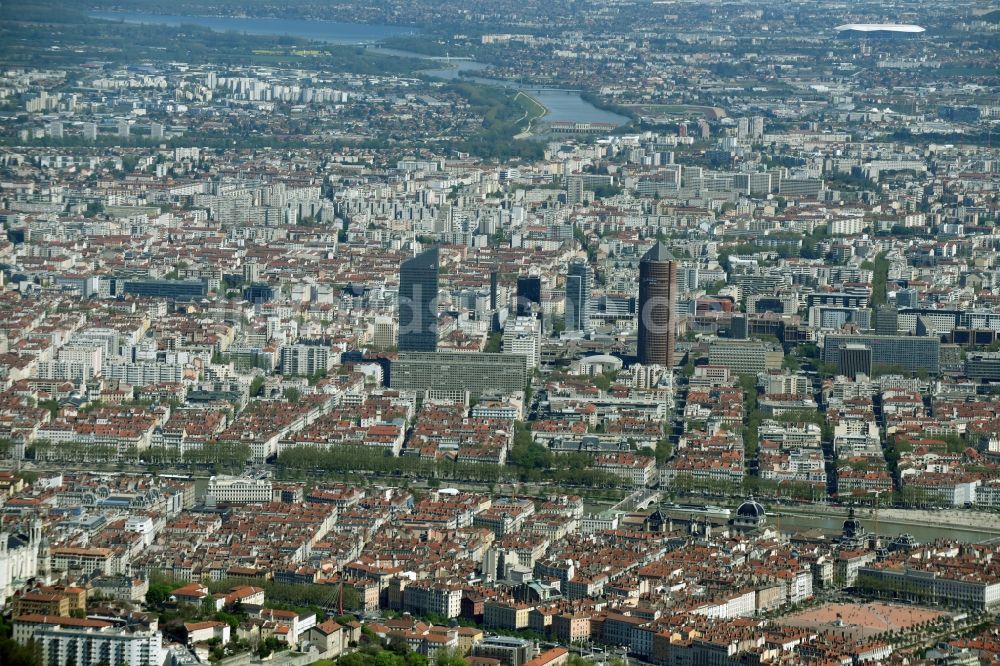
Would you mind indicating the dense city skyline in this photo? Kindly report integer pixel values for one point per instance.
(486, 333)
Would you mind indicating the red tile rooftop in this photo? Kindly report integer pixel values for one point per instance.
(62, 621)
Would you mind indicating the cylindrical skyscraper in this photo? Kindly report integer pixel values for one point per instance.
(657, 306)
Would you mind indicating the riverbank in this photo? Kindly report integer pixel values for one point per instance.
(709, 112)
(541, 112)
(962, 525)
(560, 105)
(970, 521)
(330, 32)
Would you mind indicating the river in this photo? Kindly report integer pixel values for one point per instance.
(830, 520)
(320, 31)
(890, 528)
(561, 105)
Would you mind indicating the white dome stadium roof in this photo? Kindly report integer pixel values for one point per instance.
(879, 27)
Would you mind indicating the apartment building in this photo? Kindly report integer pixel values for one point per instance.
(424, 597)
(238, 490)
(66, 640)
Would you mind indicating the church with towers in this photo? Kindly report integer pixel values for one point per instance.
(23, 556)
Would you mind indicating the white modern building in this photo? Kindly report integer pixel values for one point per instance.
(523, 335)
(238, 490)
(70, 640)
(428, 597)
(305, 359)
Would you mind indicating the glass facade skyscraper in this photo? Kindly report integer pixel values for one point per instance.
(579, 279)
(529, 290)
(418, 292)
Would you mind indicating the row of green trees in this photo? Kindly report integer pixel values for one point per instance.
(295, 596)
(225, 456)
(880, 269)
(752, 417)
(686, 484)
(529, 462)
(76, 451)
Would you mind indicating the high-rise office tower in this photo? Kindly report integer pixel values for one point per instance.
(574, 189)
(418, 291)
(523, 335)
(251, 271)
(578, 282)
(886, 320)
(743, 128)
(384, 334)
(657, 306)
(494, 281)
(907, 298)
(855, 360)
(529, 290)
